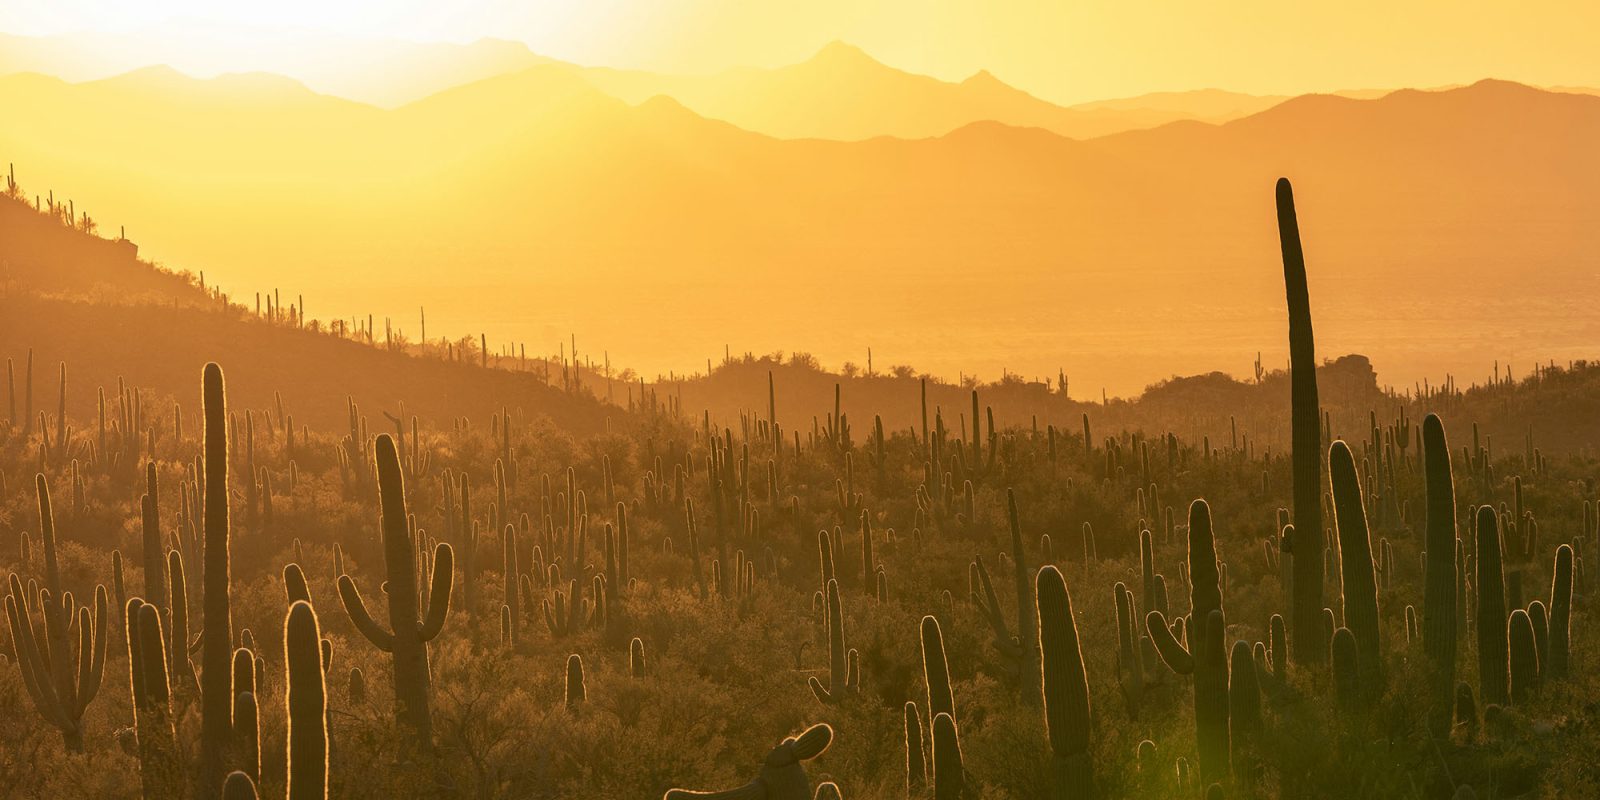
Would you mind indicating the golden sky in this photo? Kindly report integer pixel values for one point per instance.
(1062, 51)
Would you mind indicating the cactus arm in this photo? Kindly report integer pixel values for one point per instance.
(34, 675)
(294, 584)
(353, 605)
(823, 695)
(1176, 657)
(754, 790)
(812, 741)
(91, 653)
(997, 621)
(439, 593)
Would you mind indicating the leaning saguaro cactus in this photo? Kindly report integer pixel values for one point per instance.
(216, 653)
(1439, 592)
(307, 737)
(408, 635)
(1310, 648)
(1205, 658)
(782, 777)
(1066, 688)
(1355, 566)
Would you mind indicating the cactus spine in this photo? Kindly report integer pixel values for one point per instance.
(307, 702)
(408, 635)
(1066, 688)
(1439, 593)
(1306, 432)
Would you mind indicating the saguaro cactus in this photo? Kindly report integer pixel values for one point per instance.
(949, 774)
(1560, 615)
(1439, 592)
(782, 776)
(935, 670)
(1205, 658)
(837, 667)
(59, 692)
(216, 653)
(408, 635)
(308, 703)
(916, 757)
(151, 689)
(1491, 620)
(1355, 566)
(576, 691)
(1306, 434)
(1066, 688)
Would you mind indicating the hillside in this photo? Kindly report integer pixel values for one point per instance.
(88, 302)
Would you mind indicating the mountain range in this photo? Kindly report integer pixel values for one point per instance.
(534, 204)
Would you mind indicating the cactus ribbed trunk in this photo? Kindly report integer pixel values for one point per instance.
(1491, 587)
(1355, 566)
(1310, 649)
(1439, 613)
(1066, 689)
(216, 654)
(307, 737)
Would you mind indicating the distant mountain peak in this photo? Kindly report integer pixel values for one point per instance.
(840, 52)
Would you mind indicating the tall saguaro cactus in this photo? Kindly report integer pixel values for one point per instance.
(1439, 612)
(307, 701)
(408, 635)
(216, 653)
(1066, 688)
(1310, 647)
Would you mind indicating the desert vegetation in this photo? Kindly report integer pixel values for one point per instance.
(560, 583)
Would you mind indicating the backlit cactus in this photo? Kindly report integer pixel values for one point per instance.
(1357, 578)
(307, 737)
(1306, 431)
(782, 775)
(408, 634)
(1205, 657)
(1066, 689)
(1493, 678)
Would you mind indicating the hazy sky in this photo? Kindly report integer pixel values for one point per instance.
(1061, 50)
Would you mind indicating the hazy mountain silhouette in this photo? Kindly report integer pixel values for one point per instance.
(536, 189)
(843, 93)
